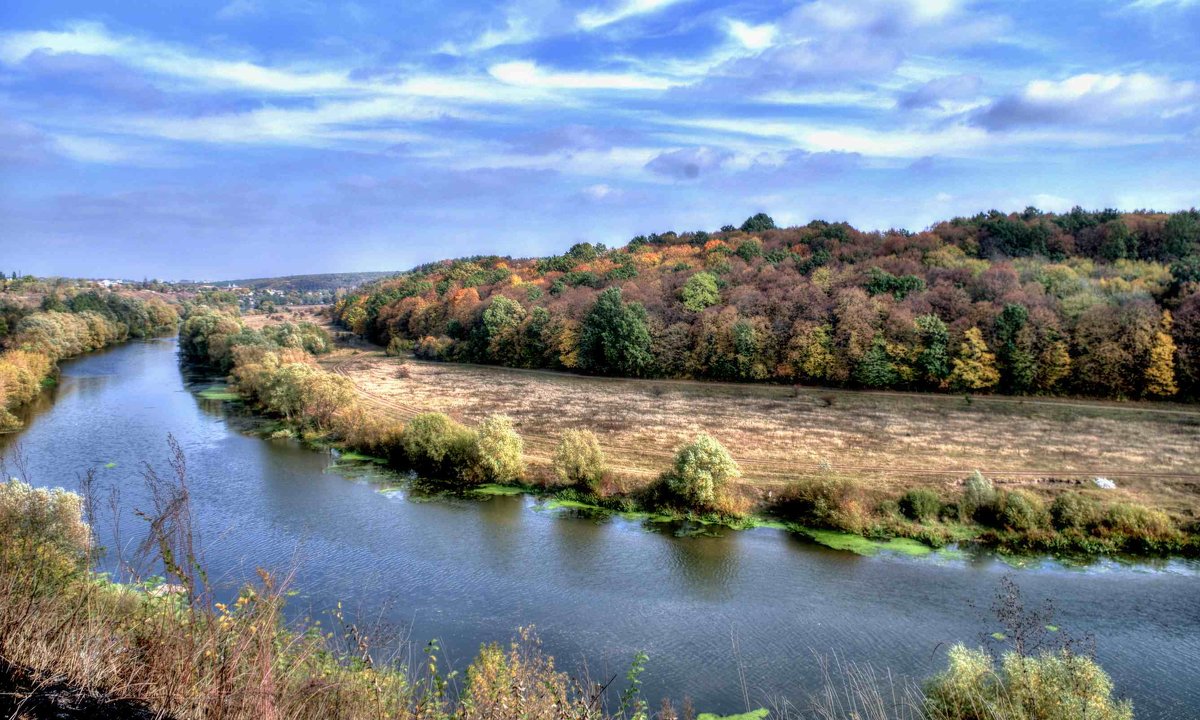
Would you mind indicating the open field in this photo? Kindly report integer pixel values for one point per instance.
(778, 433)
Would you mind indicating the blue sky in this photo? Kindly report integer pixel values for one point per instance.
(268, 137)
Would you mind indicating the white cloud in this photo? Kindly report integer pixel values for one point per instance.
(595, 18)
(530, 75)
(753, 37)
(1093, 99)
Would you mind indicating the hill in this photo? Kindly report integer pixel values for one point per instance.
(310, 283)
(1090, 303)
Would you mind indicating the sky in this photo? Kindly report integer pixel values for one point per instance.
(246, 138)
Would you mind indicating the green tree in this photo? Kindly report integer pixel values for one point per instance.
(1119, 241)
(499, 451)
(975, 366)
(1017, 367)
(933, 363)
(701, 470)
(578, 459)
(700, 292)
(614, 338)
(758, 223)
(876, 368)
(1181, 235)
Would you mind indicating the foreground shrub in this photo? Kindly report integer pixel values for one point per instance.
(1074, 511)
(499, 452)
(978, 494)
(433, 442)
(578, 460)
(1020, 511)
(46, 522)
(702, 468)
(1049, 686)
(1137, 521)
(921, 505)
(827, 501)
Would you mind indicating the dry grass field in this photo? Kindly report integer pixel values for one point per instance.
(1152, 451)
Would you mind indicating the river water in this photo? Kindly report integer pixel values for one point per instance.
(732, 621)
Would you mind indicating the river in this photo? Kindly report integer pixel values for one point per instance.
(730, 620)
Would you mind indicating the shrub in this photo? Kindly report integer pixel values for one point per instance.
(921, 504)
(430, 440)
(398, 346)
(1020, 511)
(702, 467)
(579, 459)
(1074, 511)
(978, 493)
(498, 455)
(826, 501)
(1049, 686)
(1137, 521)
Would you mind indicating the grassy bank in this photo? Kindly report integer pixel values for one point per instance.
(275, 370)
(76, 644)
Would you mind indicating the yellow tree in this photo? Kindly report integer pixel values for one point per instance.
(1160, 371)
(975, 366)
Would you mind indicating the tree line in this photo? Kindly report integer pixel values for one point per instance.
(34, 340)
(1100, 304)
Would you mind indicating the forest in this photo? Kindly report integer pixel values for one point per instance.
(1088, 303)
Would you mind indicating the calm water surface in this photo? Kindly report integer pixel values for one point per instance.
(472, 571)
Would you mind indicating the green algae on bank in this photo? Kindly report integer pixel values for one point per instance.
(351, 456)
(219, 392)
(759, 714)
(495, 489)
(860, 545)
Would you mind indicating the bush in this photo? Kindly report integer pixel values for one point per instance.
(827, 501)
(921, 505)
(1050, 686)
(579, 459)
(398, 347)
(435, 443)
(1020, 511)
(1074, 511)
(498, 455)
(1137, 521)
(702, 467)
(978, 494)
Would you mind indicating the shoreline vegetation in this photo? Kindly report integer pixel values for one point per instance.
(36, 340)
(75, 643)
(275, 370)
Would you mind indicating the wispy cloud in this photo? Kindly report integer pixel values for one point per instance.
(598, 17)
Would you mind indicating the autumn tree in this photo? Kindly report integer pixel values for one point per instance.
(1160, 371)
(974, 367)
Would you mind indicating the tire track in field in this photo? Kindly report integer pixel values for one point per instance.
(540, 448)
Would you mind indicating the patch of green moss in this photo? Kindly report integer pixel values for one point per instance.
(351, 456)
(759, 714)
(218, 392)
(494, 489)
(860, 545)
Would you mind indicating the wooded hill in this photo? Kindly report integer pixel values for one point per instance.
(1092, 303)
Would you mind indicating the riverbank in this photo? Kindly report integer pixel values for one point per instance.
(467, 571)
(1064, 518)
